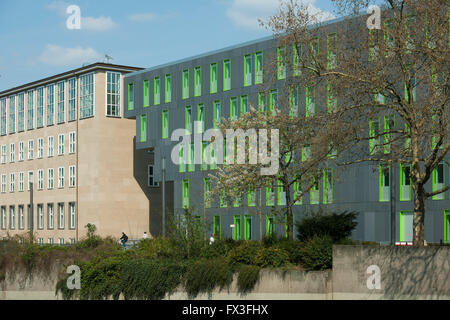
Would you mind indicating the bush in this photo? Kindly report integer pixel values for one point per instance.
(292, 248)
(245, 253)
(247, 278)
(157, 248)
(271, 257)
(337, 226)
(316, 253)
(217, 249)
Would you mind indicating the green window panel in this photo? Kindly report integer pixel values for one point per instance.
(258, 67)
(406, 226)
(293, 102)
(332, 51)
(237, 230)
(251, 198)
(157, 91)
(286, 225)
(168, 88)
(310, 93)
(297, 191)
(165, 124)
(131, 96)
(306, 153)
(332, 102)
(244, 104)
(233, 108)
(217, 227)
(247, 70)
(207, 192)
(197, 81)
(270, 195)
(273, 101)
(185, 82)
(262, 103)
(281, 63)
(314, 191)
(213, 78)
(447, 226)
(248, 227)
(188, 119)
(314, 51)
(407, 140)
(216, 120)
(327, 185)
(281, 194)
(182, 160)
(185, 195)
(405, 182)
(374, 134)
(270, 225)
(146, 90)
(384, 182)
(191, 157)
(297, 56)
(226, 75)
(143, 128)
(438, 181)
(201, 117)
(389, 124)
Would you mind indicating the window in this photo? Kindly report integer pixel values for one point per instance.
(273, 101)
(50, 104)
(40, 179)
(314, 51)
(412, 87)
(201, 117)
(50, 178)
(270, 195)
(12, 217)
(150, 177)
(12, 114)
(40, 148)
(251, 198)
(72, 142)
(3, 183)
(61, 177)
(21, 181)
(21, 217)
(165, 124)
(60, 102)
(293, 99)
(298, 190)
(385, 182)
(438, 181)
(258, 67)
(233, 108)
(244, 104)
(314, 191)
(310, 101)
(3, 211)
(30, 179)
(207, 192)
(197, 81)
(30, 149)
(297, 59)
(3, 116)
(86, 95)
(188, 120)
(12, 182)
(237, 230)
(217, 227)
(389, 123)
(143, 128)
(446, 226)
(332, 51)
(248, 228)
(72, 214)
(3, 153)
(281, 194)
(61, 216)
(374, 134)
(72, 112)
(113, 94)
(185, 82)
(332, 102)
(281, 63)
(185, 196)
(182, 156)
(21, 112)
(50, 216)
(405, 182)
(50, 241)
(157, 91)
(270, 225)
(60, 144)
(213, 78)
(406, 226)
(40, 107)
(168, 89)
(146, 90)
(216, 120)
(131, 96)
(40, 216)
(191, 157)
(226, 75)
(327, 185)
(72, 175)
(11, 152)
(247, 70)
(50, 146)
(21, 150)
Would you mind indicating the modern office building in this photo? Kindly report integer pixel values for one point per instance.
(222, 84)
(66, 135)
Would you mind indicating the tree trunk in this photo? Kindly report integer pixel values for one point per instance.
(419, 215)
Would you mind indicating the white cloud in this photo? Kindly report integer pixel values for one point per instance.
(59, 56)
(245, 13)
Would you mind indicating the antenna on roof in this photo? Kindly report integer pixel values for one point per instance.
(108, 58)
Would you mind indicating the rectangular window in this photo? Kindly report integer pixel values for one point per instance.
(213, 159)
(61, 177)
(21, 217)
(262, 103)
(216, 120)
(40, 216)
(248, 232)
(251, 198)
(165, 124)
(30, 179)
(233, 108)
(3, 183)
(185, 195)
(213, 78)
(61, 217)
(50, 104)
(273, 101)
(12, 182)
(21, 112)
(12, 217)
(12, 152)
(40, 179)
(226, 75)
(60, 102)
(30, 149)
(86, 95)
(21, 150)
(374, 134)
(406, 226)
(237, 230)
(168, 89)
(293, 102)
(151, 182)
(3, 209)
(217, 227)
(113, 94)
(143, 137)
(191, 158)
(332, 102)
(50, 216)
(197, 81)
(50, 241)
(40, 148)
(72, 95)
(60, 144)
(270, 225)
(298, 191)
(258, 67)
(447, 226)
(72, 214)
(297, 59)
(405, 182)
(156, 91)
(270, 195)
(2, 116)
(204, 165)
(185, 82)
(244, 104)
(188, 120)
(314, 191)
(207, 192)
(389, 123)
(50, 145)
(201, 117)
(247, 70)
(310, 101)
(60, 241)
(50, 178)
(183, 159)
(131, 96)
(281, 63)
(331, 51)
(281, 194)
(40, 107)
(146, 90)
(314, 51)
(3, 153)
(12, 114)
(72, 173)
(438, 181)
(21, 181)
(72, 142)
(327, 185)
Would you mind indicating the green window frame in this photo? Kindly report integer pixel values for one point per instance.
(247, 70)
(405, 182)
(213, 78)
(270, 195)
(197, 81)
(201, 117)
(389, 124)
(143, 137)
(131, 96)
(297, 69)
(204, 165)
(182, 162)
(248, 230)
(385, 183)
(405, 217)
(188, 119)
(281, 194)
(281, 63)
(332, 51)
(446, 226)
(332, 102)
(314, 50)
(217, 227)
(146, 92)
(314, 191)
(310, 95)
(273, 101)
(237, 201)
(374, 134)
(327, 186)
(168, 88)
(259, 73)
(439, 181)
(185, 194)
(244, 104)
(237, 230)
(185, 84)
(262, 102)
(293, 102)
(191, 151)
(270, 225)
(226, 75)
(157, 90)
(216, 111)
(233, 108)
(251, 198)
(165, 124)
(298, 191)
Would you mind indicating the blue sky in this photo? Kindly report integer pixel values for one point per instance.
(36, 42)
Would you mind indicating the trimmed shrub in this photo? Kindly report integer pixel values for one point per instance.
(292, 248)
(245, 253)
(271, 257)
(247, 278)
(316, 253)
(337, 226)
